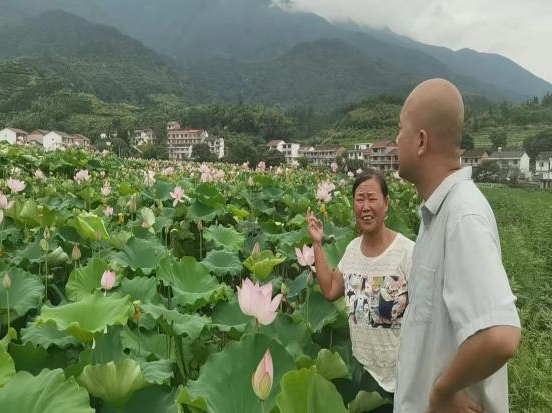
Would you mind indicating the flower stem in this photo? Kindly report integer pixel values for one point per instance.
(8, 305)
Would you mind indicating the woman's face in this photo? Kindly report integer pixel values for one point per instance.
(370, 206)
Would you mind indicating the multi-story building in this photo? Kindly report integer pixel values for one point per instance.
(324, 154)
(383, 156)
(543, 167)
(181, 141)
(474, 157)
(143, 136)
(512, 159)
(290, 150)
(359, 152)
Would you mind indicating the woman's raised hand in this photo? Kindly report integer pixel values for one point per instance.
(316, 228)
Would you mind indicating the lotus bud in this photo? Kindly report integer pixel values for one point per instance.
(200, 226)
(108, 280)
(76, 254)
(46, 234)
(263, 376)
(256, 248)
(6, 281)
(137, 311)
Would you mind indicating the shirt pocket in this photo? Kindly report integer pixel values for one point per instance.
(421, 293)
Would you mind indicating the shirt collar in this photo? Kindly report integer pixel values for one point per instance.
(430, 208)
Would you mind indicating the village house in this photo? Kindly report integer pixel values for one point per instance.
(512, 159)
(181, 142)
(13, 136)
(543, 167)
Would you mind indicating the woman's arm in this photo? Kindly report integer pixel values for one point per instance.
(330, 280)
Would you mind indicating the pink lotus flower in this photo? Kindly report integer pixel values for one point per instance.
(15, 185)
(294, 163)
(108, 211)
(168, 171)
(261, 166)
(149, 178)
(324, 191)
(4, 203)
(108, 280)
(204, 169)
(106, 189)
(334, 166)
(305, 258)
(256, 300)
(177, 194)
(263, 377)
(38, 174)
(82, 176)
(102, 174)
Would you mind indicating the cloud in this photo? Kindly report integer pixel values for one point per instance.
(518, 30)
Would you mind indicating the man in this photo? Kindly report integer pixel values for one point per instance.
(461, 325)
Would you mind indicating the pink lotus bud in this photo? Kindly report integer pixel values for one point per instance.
(76, 254)
(263, 377)
(108, 280)
(6, 281)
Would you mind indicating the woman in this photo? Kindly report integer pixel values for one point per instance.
(372, 275)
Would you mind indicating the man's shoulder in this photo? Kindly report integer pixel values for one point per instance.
(467, 199)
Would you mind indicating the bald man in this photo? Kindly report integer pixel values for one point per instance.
(461, 325)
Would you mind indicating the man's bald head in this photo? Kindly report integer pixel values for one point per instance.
(436, 106)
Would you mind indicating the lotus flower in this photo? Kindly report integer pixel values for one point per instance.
(177, 194)
(102, 174)
(149, 178)
(108, 280)
(261, 166)
(39, 175)
(4, 203)
(82, 176)
(15, 185)
(256, 300)
(334, 166)
(263, 377)
(305, 258)
(350, 174)
(106, 189)
(6, 281)
(168, 171)
(324, 191)
(108, 211)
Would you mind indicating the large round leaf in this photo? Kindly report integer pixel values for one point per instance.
(228, 317)
(331, 366)
(49, 392)
(89, 226)
(152, 399)
(113, 382)
(7, 366)
(140, 288)
(25, 292)
(224, 383)
(176, 322)
(227, 238)
(306, 391)
(262, 263)
(201, 212)
(222, 262)
(317, 311)
(88, 316)
(367, 401)
(83, 281)
(46, 335)
(141, 254)
(191, 283)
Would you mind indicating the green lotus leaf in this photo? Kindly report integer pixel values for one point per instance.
(140, 288)
(261, 264)
(46, 335)
(156, 372)
(236, 212)
(33, 359)
(145, 344)
(115, 383)
(7, 366)
(33, 215)
(192, 285)
(210, 195)
(224, 383)
(306, 391)
(88, 225)
(88, 316)
(177, 323)
(83, 281)
(367, 401)
(140, 254)
(49, 392)
(228, 317)
(201, 212)
(25, 292)
(331, 366)
(335, 251)
(119, 239)
(227, 238)
(222, 262)
(57, 258)
(152, 399)
(318, 313)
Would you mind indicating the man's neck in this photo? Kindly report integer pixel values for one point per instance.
(434, 178)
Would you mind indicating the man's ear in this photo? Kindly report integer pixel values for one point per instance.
(422, 142)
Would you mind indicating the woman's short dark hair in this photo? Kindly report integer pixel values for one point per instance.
(371, 174)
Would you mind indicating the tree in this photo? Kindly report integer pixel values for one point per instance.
(499, 138)
(242, 151)
(202, 153)
(272, 157)
(303, 162)
(542, 142)
(487, 171)
(467, 141)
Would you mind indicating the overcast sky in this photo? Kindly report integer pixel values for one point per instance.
(518, 29)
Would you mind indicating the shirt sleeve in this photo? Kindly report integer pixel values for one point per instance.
(476, 290)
